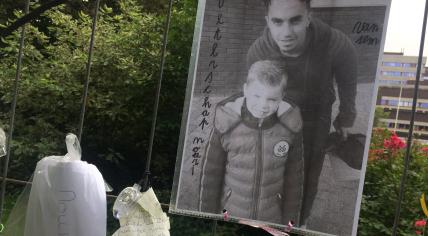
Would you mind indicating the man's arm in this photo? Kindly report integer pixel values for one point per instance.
(212, 174)
(345, 72)
(261, 49)
(253, 54)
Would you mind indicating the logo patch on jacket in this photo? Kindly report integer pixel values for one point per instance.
(281, 149)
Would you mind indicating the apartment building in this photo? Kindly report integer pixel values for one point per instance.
(395, 94)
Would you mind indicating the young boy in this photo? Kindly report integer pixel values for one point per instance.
(253, 166)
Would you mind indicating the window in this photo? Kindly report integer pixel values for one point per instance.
(405, 104)
(409, 64)
(391, 73)
(391, 82)
(424, 105)
(403, 126)
(419, 127)
(409, 74)
(393, 102)
(391, 64)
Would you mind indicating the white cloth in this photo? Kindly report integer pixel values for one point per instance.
(67, 198)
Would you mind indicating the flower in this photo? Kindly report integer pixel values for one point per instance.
(420, 223)
(376, 154)
(425, 150)
(393, 143)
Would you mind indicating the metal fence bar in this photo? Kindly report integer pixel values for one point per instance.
(15, 181)
(88, 72)
(412, 120)
(13, 112)
(22, 182)
(214, 227)
(144, 182)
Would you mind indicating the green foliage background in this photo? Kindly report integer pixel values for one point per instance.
(381, 188)
(124, 71)
(124, 74)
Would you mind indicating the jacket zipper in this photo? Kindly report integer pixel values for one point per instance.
(259, 170)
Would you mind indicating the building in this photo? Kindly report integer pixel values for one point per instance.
(395, 94)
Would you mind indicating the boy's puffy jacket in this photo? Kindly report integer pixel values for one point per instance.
(254, 169)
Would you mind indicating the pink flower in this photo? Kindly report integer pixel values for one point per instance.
(425, 149)
(418, 232)
(225, 215)
(393, 143)
(420, 223)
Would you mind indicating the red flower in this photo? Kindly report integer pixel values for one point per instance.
(418, 232)
(378, 151)
(393, 143)
(425, 149)
(420, 223)
(376, 154)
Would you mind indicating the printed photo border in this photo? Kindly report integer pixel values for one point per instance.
(234, 67)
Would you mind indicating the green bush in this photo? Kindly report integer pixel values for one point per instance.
(123, 80)
(382, 182)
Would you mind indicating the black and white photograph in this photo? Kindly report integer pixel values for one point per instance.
(278, 111)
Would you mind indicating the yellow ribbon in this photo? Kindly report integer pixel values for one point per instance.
(424, 205)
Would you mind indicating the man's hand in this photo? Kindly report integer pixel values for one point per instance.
(282, 108)
(344, 132)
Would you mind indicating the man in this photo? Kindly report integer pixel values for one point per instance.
(314, 55)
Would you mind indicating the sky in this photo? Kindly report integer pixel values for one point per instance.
(405, 27)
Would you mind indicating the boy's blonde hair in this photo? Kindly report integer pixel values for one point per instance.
(268, 73)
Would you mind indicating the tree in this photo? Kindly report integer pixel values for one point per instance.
(380, 113)
(124, 73)
(30, 16)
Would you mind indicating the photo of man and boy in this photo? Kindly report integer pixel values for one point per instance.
(273, 81)
(315, 56)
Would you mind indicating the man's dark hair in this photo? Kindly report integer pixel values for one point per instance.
(307, 2)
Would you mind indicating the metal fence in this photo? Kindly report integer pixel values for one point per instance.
(5, 163)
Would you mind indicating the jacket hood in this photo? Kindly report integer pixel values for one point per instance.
(232, 111)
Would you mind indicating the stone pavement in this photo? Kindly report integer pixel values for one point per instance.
(336, 198)
(335, 201)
